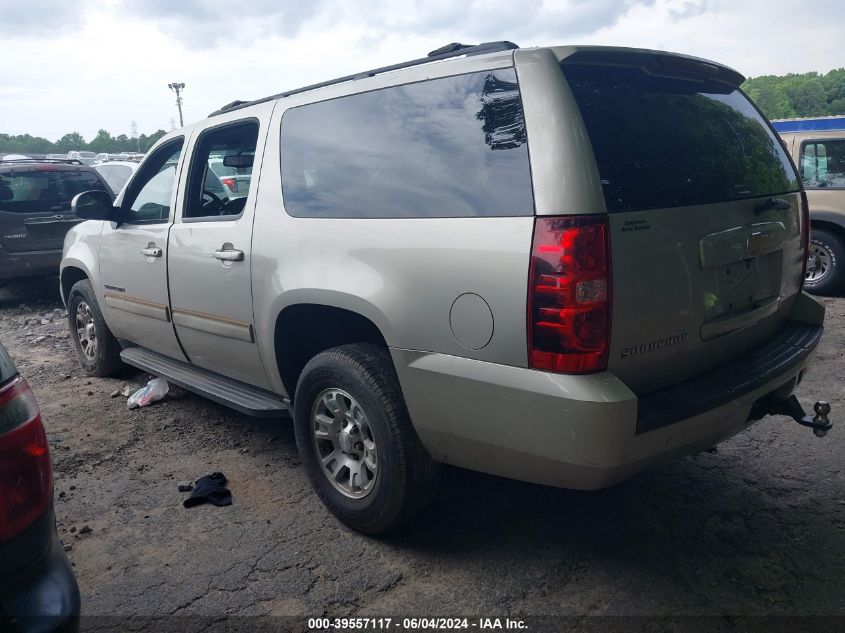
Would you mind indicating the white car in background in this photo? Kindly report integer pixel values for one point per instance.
(116, 172)
(86, 158)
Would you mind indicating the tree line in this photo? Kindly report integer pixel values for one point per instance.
(103, 142)
(799, 95)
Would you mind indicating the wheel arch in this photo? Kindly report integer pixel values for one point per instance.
(71, 273)
(303, 330)
(828, 222)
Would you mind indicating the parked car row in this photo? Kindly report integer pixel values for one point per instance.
(84, 157)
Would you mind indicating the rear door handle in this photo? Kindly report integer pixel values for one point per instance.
(151, 251)
(229, 255)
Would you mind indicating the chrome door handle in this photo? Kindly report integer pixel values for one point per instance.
(151, 251)
(229, 255)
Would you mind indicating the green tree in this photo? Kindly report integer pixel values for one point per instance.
(799, 95)
(103, 142)
(69, 142)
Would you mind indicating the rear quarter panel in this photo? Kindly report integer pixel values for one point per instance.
(402, 274)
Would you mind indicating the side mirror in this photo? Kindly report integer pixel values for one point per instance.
(92, 205)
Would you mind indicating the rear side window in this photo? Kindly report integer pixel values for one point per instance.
(37, 190)
(451, 147)
(823, 164)
(662, 142)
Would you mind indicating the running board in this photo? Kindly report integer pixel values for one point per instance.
(227, 391)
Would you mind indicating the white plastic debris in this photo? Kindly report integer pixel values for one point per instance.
(153, 391)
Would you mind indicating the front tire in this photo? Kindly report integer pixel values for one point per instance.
(826, 259)
(97, 350)
(356, 440)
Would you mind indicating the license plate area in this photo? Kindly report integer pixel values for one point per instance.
(738, 287)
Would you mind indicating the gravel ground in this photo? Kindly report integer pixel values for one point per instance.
(757, 528)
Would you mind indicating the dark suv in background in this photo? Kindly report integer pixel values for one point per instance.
(35, 212)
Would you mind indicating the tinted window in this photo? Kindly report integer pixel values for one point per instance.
(151, 193)
(663, 142)
(442, 148)
(33, 191)
(221, 171)
(823, 164)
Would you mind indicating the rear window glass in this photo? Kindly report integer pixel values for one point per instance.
(662, 142)
(34, 191)
(448, 147)
(823, 164)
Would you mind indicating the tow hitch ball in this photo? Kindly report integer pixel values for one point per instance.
(791, 407)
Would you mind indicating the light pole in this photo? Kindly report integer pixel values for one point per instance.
(178, 88)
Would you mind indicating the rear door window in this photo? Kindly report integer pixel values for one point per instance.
(450, 147)
(823, 164)
(44, 190)
(664, 142)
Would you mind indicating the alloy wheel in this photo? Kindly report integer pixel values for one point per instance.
(344, 443)
(86, 333)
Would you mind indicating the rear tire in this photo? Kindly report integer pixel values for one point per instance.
(97, 350)
(826, 259)
(356, 441)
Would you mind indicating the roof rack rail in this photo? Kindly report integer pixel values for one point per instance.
(61, 161)
(454, 49)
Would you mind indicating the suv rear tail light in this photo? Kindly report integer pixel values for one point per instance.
(805, 232)
(231, 183)
(569, 294)
(26, 476)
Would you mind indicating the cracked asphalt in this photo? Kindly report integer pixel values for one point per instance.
(757, 528)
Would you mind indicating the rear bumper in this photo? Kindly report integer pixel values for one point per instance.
(41, 595)
(29, 264)
(585, 432)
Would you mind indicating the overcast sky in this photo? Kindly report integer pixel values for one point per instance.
(81, 65)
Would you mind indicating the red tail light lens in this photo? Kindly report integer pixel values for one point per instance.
(231, 183)
(805, 233)
(569, 294)
(26, 476)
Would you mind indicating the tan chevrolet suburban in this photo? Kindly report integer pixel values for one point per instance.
(820, 156)
(562, 265)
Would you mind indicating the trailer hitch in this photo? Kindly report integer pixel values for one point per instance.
(792, 408)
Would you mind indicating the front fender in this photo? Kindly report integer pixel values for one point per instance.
(81, 252)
